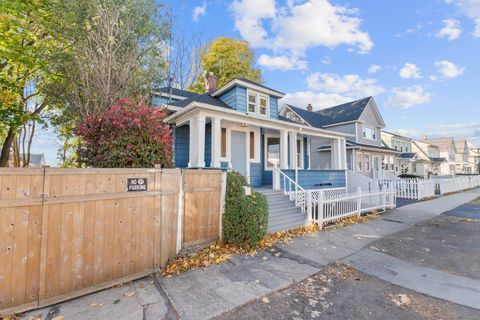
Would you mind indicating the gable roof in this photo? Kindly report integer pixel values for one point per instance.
(343, 113)
(202, 98)
(461, 146)
(176, 92)
(347, 112)
(443, 143)
(248, 83)
(407, 155)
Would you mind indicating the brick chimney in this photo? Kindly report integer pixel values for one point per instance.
(309, 107)
(210, 82)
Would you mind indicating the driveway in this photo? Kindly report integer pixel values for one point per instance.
(430, 270)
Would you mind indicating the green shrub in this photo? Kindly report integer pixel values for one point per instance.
(245, 221)
(409, 176)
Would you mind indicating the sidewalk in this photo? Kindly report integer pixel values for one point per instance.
(204, 293)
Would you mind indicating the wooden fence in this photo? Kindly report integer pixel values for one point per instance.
(69, 232)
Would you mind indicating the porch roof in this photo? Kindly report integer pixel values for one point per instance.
(355, 145)
(227, 113)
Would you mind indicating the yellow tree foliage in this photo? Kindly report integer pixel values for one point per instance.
(228, 58)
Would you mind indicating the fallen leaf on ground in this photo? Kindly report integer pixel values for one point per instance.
(59, 317)
(265, 300)
(400, 300)
(129, 294)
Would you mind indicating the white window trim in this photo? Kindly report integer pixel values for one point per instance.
(357, 155)
(369, 162)
(301, 164)
(257, 103)
(374, 132)
(266, 166)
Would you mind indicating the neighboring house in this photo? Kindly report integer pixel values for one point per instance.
(474, 157)
(414, 157)
(238, 126)
(447, 150)
(37, 160)
(432, 153)
(463, 164)
(362, 121)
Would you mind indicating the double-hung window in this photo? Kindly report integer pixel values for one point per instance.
(369, 133)
(257, 103)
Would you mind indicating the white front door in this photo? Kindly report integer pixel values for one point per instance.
(239, 152)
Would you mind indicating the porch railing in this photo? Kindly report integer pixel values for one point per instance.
(295, 192)
(328, 207)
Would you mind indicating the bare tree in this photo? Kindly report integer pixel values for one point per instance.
(118, 54)
(186, 57)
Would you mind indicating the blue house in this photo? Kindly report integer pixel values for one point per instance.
(238, 127)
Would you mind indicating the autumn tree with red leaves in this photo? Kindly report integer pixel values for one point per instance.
(127, 135)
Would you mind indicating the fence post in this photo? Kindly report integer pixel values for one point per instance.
(359, 200)
(320, 204)
(309, 205)
(180, 213)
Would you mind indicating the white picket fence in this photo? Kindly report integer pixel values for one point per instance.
(416, 189)
(455, 184)
(328, 205)
(419, 189)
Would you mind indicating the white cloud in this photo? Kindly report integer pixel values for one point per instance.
(296, 27)
(199, 11)
(351, 85)
(410, 71)
(281, 62)
(319, 100)
(327, 90)
(374, 69)
(471, 9)
(469, 131)
(476, 31)
(409, 97)
(451, 29)
(448, 70)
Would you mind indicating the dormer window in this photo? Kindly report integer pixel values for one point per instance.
(257, 103)
(369, 133)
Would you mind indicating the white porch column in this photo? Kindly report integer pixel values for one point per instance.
(343, 154)
(197, 142)
(216, 142)
(283, 149)
(293, 149)
(334, 155)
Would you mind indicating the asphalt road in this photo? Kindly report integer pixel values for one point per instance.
(428, 271)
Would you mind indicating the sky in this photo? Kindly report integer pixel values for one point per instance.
(420, 60)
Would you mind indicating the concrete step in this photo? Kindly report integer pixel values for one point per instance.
(287, 226)
(291, 210)
(273, 206)
(286, 220)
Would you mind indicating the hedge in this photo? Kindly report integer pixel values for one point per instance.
(245, 221)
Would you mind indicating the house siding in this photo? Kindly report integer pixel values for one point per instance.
(160, 100)
(318, 179)
(241, 99)
(255, 174)
(273, 107)
(208, 145)
(181, 146)
(236, 98)
(230, 97)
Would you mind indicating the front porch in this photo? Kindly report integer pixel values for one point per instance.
(253, 146)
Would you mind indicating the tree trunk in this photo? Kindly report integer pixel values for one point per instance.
(7, 145)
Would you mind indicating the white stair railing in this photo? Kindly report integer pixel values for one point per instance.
(290, 187)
